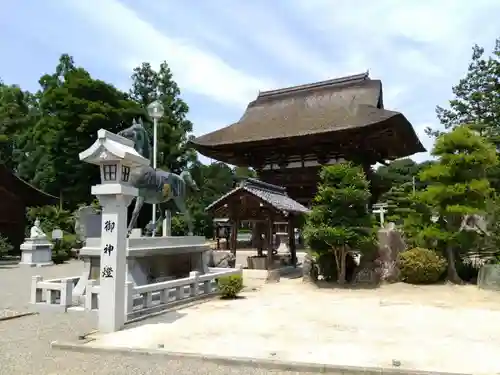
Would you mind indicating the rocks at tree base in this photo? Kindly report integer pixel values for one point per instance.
(309, 269)
(489, 277)
(367, 273)
(391, 243)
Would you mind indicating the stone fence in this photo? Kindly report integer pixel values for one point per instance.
(56, 294)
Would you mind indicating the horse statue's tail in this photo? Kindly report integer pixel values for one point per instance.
(188, 179)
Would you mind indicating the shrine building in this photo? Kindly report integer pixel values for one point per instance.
(286, 135)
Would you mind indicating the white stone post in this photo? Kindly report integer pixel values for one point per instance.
(167, 224)
(113, 273)
(116, 157)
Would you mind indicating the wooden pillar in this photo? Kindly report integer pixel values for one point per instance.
(259, 231)
(269, 231)
(291, 240)
(234, 235)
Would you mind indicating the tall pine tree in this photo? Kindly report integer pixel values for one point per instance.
(457, 187)
(340, 220)
(476, 102)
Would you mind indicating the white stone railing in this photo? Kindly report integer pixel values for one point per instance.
(146, 298)
(54, 294)
(91, 296)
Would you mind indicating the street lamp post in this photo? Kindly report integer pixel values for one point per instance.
(155, 111)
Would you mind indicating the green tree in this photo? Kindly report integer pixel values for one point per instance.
(16, 118)
(149, 85)
(399, 202)
(339, 220)
(244, 172)
(215, 180)
(398, 171)
(458, 186)
(477, 102)
(72, 108)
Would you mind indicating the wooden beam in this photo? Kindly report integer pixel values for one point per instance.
(291, 240)
(270, 258)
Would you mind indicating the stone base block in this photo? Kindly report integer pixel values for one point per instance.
(36, 253)
(36, 264)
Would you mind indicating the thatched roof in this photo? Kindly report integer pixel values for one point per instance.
(322, 108)
(273, 195)
(28, 194)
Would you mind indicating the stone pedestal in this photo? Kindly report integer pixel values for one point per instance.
(149, 260)
(36, 252)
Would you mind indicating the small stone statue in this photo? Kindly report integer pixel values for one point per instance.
(36, 232)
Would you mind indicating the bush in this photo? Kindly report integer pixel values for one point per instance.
(421, 266)
(5, 246)
(51, 217)
(61, 251)
(230, 286)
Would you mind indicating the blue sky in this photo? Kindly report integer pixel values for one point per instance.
(222, 52)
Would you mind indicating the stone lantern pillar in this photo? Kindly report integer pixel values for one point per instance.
(116, 158)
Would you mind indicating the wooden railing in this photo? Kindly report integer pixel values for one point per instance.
(54, 294)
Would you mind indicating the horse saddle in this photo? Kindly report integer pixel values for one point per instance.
(168, 190)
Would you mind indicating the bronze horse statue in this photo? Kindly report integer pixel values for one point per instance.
(156, 186)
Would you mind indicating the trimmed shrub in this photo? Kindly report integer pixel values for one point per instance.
(230, 286)
(421, 266)
(61, 251)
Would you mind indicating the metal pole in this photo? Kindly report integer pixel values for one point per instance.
(155, 134)
(413, 181)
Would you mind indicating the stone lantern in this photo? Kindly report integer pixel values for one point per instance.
(116, 158)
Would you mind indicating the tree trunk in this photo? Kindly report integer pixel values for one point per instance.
(452, 270)
(337, 262)
(342, 271)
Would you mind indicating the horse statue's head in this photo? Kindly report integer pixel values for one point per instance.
(139, 135)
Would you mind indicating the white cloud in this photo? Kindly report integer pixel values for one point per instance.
(373, 31)
(264, 26)
(418, 48)
(197, 70)
(425, 139)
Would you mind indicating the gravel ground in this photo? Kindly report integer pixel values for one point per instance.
(25, 341)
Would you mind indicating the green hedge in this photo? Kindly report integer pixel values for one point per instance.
(421, 266)
(230, 286)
